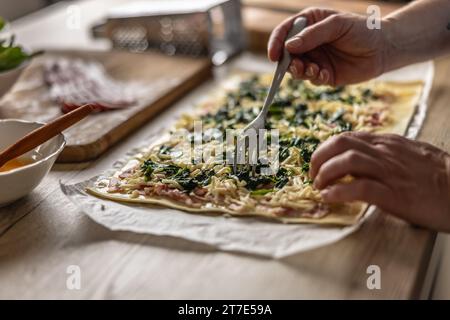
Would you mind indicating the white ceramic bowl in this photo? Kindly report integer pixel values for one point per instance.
(8, 78)
(15, 184)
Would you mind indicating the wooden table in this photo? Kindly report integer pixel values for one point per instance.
(292, 6)
(43, 234)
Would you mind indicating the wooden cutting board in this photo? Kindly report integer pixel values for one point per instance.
(167, 78)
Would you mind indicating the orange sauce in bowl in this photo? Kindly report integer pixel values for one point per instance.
(14, 164)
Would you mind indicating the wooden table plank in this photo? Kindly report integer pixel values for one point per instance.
(36, 251)
(258, 24)
(44, 233)
(356, 6)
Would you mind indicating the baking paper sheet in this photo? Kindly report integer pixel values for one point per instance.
(248, 235)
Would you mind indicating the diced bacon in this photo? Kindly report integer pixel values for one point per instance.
(113, 185)
(375, 119)
(200, 191)
(177, 194)
(198, 199)
(126, 174)
(236, 207)
(182, 197)
(160, 189)
(317, 212)
(278, 211)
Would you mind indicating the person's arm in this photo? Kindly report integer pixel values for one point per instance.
(417, 32)
(338, 48)
(409, 179)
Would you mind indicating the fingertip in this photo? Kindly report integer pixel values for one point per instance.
(312, 170)
(299, 64)
(271, 56)
(317, 183)
(273, 51)
(325, 194)
(293, 70)
(329, 195)
(324, 76)
(296, 68)
(294, 44)
(315, 162)
(312, 71)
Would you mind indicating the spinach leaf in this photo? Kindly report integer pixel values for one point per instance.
(11, 57)
(165, 150)
(263, 182)
(252, 182)
(306, 145)
(338, 118)
(148, 167)
(180, 175)
(305, 167)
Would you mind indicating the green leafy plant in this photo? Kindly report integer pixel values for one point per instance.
(11, 55)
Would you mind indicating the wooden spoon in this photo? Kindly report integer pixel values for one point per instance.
(37, 137)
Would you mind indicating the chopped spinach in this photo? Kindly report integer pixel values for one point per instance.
(279, 102)
(307, 150)
(184, 180)
(252, 182)
(263, 182)
(305, 167)
(204, 177)
(148, 167)
(251, 89)
(180, 175)
(306, 145)
(301, 107)
(338, 119)
(165, 150)
(367, 93)
(337, 116)
(284, 153)
(304, 117)
(281, 178)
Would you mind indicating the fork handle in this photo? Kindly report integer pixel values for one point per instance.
(298, 25)
(283, 64)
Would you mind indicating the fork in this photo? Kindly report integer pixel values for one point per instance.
(243, 140)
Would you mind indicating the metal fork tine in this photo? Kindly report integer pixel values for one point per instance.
(259, 122)
(247, 154)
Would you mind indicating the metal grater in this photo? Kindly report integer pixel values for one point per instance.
(195, 28)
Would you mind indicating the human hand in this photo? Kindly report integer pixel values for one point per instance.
(409, 179)
(335, 49)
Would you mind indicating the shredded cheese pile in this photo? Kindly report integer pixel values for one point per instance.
(304, 115)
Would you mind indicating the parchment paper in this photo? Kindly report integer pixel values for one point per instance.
(249, 235)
